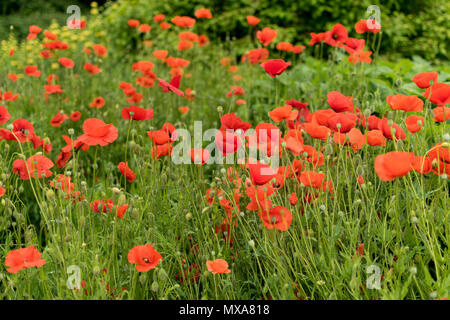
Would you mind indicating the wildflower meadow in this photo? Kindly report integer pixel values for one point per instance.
(149, 157)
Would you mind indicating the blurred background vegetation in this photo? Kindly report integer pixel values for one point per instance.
(410, 27)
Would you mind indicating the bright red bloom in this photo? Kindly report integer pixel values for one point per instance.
(363, 26)
(37, 166)
(414, 123)
(159, 17)
(252, 20)
(99, 50)
(203, 14)
(312, 179)
(4, 115)
(183, 22)
(199, 156)
(133, 23)
(256, 55)
(66, 62)
(145, 256)
(98, 102)
(59, 119)
(23, 258)
(441, 114)
(32, 71)
(233, 122)
(260, 173)
(283, 113)
(423, 79)
(126, 171)
(96, 132)
(338, 34)
(91, 68)
(389, 130)
(405, 103)
(75, 116)
(439, 94)
(173, 86)
(275, 67)
(340, 103)
(393, 165)
(217, 266)
(137, 113)
(266, 36)
(278, 217)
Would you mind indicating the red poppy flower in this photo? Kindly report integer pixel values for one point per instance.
(256, 56)
(393, 165)
(342, 122)
(338, 34)
(203, 14)
(217, 266)
(2, 191)
(363, 26)
(173, 86)
(126, 171)
(340, 103)
(228, 141)
(66, 62)
(283, 113)
(405, 103)
(23, 258)
(414, 123)
(233, 122)
(438, 94)
(423, 79)
(312, 179)
(96, 132)
(37, 166)
(317, 131)
(160, 54)
(144, 28)
(4, 115)
(98, 102)
(199, 156)
(260, 173)
(145, 256)
(441, 114)
(275, 67)
(99, 50)
(75, 116)
(133, 23)
(164, 25)
(32, 71)
(284, 46)
(439, 155)
(137, 113)
(91, 68)
(59, 119)
(159, 17)
(375, 138)
(278, 217)
(252, 20)
(266, 35)
(13, 77)
(422, 164)
(102, 206)
(183, 22)
(389, 130)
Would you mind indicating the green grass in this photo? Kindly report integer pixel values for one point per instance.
(403, 224)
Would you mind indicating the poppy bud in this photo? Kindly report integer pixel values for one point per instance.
(189, 216)
(155, 286)
(162, 274)
(444, 176)
(445, 137)
(205, 209)
(142, 279)
(135, 213)
(219, 109)
(71, 131)
(251, 244)
(96, 269)
(82, 222)
(50, 194)
(122, 199)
